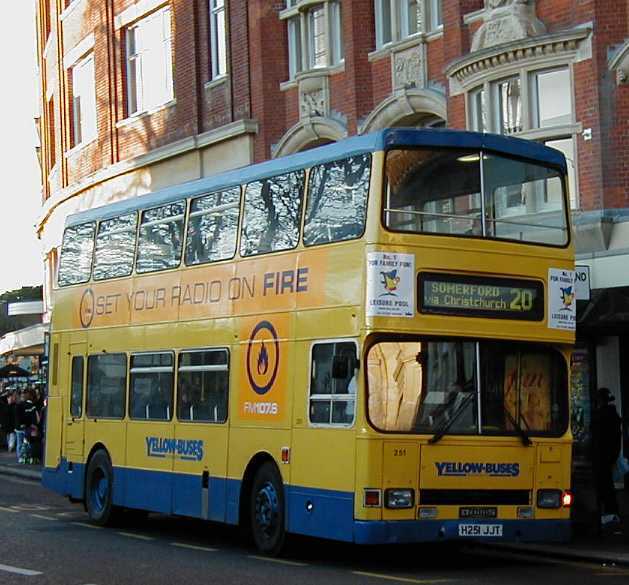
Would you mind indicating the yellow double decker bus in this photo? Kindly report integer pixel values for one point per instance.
(367, 342)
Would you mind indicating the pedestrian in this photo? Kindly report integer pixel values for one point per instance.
(4, 419)
(26, 420)
(11, 437)
(607, 436)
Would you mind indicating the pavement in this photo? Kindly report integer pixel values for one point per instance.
(606, 549)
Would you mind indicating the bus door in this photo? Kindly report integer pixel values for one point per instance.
(73, 415)
(150, 445)
(201, 433)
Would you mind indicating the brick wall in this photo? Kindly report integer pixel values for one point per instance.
(258, 64)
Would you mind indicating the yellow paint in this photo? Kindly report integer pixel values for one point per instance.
(283, 303)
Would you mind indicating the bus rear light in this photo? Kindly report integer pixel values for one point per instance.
(567, 499)
(397, 498)
(372, 498)
(549, 499)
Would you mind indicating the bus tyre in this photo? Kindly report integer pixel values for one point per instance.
(267, 510)
(99, 489)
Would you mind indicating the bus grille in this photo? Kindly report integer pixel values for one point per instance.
(475, 497)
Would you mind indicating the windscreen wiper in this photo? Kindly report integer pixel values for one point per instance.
(526, 441)
(443, 429)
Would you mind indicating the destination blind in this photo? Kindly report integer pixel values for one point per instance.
(481, 296)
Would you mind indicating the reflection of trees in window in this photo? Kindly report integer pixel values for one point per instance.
(106, 385)
(212, 227)
(337, 200)
(161, 237)
(203, 385)
(75, 265)
(115, 247)
(272, 214)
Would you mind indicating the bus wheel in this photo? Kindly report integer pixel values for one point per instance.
(267, 510)
(98, 489)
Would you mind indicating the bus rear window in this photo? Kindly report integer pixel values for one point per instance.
(469, 193)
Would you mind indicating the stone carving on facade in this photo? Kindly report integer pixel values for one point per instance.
(505, 21)
(409, 68)
(314, 97)
(620, 63)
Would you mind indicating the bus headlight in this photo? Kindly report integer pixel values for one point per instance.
(549, 498)
(399, 498)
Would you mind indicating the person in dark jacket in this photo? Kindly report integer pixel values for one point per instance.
(607, 435)
(4, 420)
(26, 421)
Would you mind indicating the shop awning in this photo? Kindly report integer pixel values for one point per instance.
(27, 341)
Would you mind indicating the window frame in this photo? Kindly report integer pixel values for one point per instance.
(150, 370)
(173, 218)
(527, 74)
(86, 133)
(308, 193)
(298, 17)
(206, 368)
(480, 381)
(76, 358)
(482, 153)
(136, 102)
(135, 244)
(89, 276)
(334, 397)
(300, 219)
(125, 386)
(219, 38)
(224, 207)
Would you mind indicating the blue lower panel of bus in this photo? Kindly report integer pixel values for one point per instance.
(309, 511)
(440, 530)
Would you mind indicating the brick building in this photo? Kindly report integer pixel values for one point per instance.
(141, 94)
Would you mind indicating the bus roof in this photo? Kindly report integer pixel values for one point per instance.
(375, 141)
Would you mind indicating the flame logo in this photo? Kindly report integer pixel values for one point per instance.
(263, 360)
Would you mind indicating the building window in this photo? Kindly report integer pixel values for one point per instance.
(315, 37)
(536, 104)
(433, 17)
(50, 134)
(397, 20)
(149, 62)
(478, 111)
(218, 38)
(552, 98)
(508, 107)
(84, 127)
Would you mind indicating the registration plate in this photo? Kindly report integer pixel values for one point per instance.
(480, 530)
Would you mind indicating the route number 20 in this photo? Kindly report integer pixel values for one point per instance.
(522, 300)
